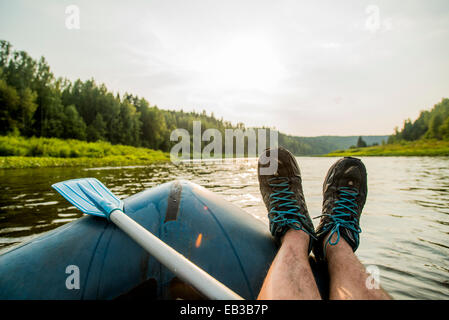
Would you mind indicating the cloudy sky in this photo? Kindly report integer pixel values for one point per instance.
(305, 67)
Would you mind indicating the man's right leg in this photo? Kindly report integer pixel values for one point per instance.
(348, 277)
(344, 190)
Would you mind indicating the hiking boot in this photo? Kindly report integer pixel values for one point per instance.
(344, 195)
(282, 193)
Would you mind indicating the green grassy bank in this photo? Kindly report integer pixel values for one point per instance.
(19, 152)
(404, 148)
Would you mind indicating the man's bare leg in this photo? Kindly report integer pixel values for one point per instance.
(348, 276)
(290, 275)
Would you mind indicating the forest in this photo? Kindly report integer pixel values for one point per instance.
(428, 135)
(35, 103)
(431, 124)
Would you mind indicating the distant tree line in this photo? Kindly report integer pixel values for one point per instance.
(433, 124)
(34, 103)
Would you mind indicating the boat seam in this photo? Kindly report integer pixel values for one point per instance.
(91, 260)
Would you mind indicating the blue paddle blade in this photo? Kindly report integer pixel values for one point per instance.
(90, 196)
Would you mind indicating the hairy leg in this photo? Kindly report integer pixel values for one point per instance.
(348, 276)
(290, 275)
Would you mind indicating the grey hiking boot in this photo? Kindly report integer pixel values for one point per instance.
(344, 195)
(282, 193)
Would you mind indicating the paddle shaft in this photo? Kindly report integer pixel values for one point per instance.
(173, 260)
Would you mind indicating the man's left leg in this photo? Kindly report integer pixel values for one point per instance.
(290, 276)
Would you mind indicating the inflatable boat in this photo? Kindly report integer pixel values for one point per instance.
(222, 239)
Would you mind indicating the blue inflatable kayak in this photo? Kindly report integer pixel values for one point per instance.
(228, 243)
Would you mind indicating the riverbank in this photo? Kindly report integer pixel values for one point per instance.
(48, 162)
(19, 152)
(404, 148)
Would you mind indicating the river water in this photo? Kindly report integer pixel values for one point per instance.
(405, 222)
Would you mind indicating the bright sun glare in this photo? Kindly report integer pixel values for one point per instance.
(245, 63)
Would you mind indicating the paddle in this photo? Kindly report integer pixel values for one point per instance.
(91, 197)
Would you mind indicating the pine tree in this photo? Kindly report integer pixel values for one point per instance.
(361, 143)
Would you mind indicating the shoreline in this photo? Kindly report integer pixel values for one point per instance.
(21, 152)
(18, 162)
(419, 148)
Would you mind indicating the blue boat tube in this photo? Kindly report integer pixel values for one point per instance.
(91, 258)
